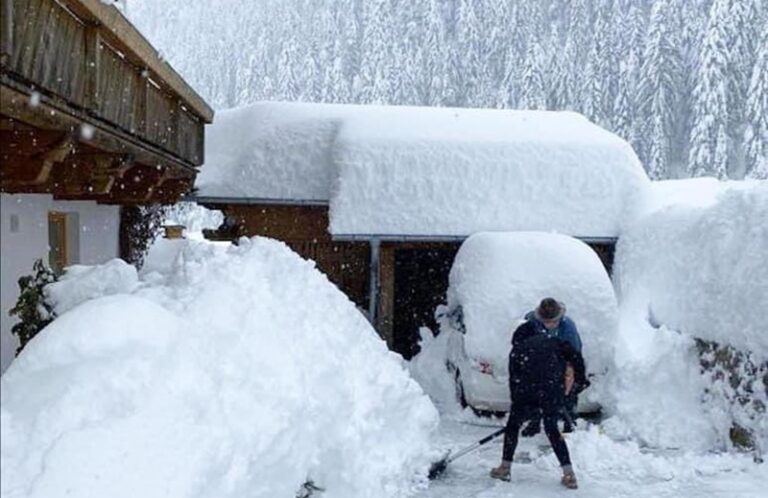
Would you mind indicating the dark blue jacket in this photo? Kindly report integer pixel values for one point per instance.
(566, 331)
(537, 369)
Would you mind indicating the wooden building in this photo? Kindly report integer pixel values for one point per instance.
(334, 183)
(91, 119)
(397, 281)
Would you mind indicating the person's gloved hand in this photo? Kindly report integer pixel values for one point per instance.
(570, 378)
(581, 386)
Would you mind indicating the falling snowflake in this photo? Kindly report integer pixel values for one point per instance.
(86, 131)
(34, 99)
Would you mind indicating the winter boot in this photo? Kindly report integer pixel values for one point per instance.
(569, 479)
(501, 472)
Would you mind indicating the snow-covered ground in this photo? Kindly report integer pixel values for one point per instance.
(606, 468)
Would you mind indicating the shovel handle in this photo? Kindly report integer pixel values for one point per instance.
(476, 445)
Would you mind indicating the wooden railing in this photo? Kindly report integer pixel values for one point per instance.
(87, 56)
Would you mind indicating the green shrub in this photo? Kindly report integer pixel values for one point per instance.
(33, 311)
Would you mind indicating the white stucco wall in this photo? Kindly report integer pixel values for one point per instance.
(97, 231)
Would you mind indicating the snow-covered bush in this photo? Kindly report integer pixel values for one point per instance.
(80, 283)
(241, 371)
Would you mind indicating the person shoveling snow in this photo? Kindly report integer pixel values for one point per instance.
(539, 379)
(549, 318)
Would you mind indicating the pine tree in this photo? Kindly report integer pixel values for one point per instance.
(741, 33)
(578, 38)
(374, 70)
(709, 139)
(660, 80)
(469, 66)
(756, 132)
(621, 103)
(432, 57)
(533, 95)
(287, 82)
(600, 86)
(507, 96)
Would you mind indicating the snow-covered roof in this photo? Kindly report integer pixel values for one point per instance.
(424, 171)
(272, 151)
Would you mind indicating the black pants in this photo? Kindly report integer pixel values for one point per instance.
(515, 421)
(571, 400)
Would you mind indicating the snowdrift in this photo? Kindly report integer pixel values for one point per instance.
(498, 277)
(701, 268)
(694, 268)
(241, 372)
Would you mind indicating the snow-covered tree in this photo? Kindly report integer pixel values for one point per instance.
(469, 66)
(658, 90)
(709, 137)
(742, 34)
(533, 94)
(586, 55)
(756, 132)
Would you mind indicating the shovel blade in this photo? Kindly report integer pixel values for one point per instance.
(438, 467)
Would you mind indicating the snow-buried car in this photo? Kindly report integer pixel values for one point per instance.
(496, 279)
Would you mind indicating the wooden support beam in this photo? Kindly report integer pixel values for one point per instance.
(56, 155)
(138, 182)
(92, 66)
(108, 169)
(6, 33)
(386, 314)
(143, 126)
(28, 159)
(174, 131)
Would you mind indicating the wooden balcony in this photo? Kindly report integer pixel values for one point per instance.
(89, 110)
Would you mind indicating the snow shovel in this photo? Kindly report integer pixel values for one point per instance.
(439, 467)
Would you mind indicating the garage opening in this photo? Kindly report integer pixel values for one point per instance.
(421, 281)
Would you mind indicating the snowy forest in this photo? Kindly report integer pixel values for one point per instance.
(685, 81)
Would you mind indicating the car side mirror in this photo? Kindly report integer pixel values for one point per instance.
(456, 319)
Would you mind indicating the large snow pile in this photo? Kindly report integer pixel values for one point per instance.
(692, 269)
(428, 171)
(498, 277)
(242, 372)
(702, 270)
(429, 370)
